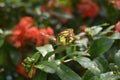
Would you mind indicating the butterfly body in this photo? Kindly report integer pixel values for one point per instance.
(65, 37)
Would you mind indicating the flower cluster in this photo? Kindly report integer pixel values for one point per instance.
(25, 34)
(87, 8)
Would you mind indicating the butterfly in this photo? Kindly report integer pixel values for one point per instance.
(65, 37)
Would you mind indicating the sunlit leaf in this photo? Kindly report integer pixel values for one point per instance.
(56, 51)
(116, 35)
(42, 50)
(87, 63)
(49, 67)
(109, 76)
(107, 30)
(45, 49)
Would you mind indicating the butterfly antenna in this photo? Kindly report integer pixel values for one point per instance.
(50, 37)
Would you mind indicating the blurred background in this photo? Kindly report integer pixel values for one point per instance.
(49, 16)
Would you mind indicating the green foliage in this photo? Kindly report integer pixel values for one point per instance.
(100, 46)
(93, 53)
(1, 42)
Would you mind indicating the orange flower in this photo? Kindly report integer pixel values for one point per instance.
(21, 70)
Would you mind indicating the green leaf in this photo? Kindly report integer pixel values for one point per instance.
(109, 76)
(65, 73)
(49, 48)
(14, 56)
(1, 31)
(42, 50)
(94, 30)
(95, 78)
(116, 35)
(40, 75)
(7, 32)
(88, 74)
(36, 56)
(56, 51)
(1, 42)
(45, 49)
(3, 58)
(107, 30)
(49, 67)
(102, 64)
(87, 63)
(117, 58)
(100, 46)
(30, 73)
(70, 49)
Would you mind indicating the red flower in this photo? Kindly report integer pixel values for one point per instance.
(24, 34)
(117, 27)
(17, 38)
(50, 31)
(88, 8)
(20, 69)
(25, 22)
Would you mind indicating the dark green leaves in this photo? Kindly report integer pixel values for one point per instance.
(100, 46)
(65, 73)
(40, 75)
